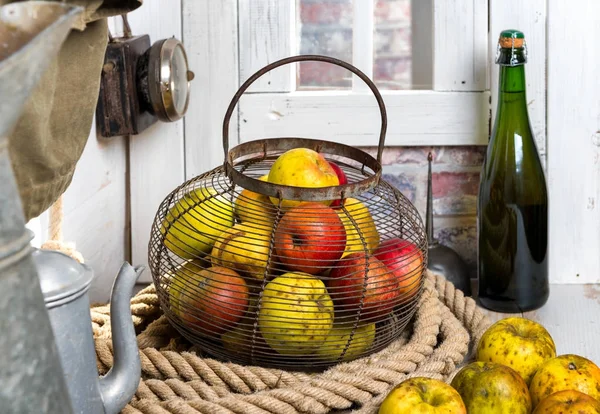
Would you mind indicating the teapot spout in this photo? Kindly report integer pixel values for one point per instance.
(120, 383)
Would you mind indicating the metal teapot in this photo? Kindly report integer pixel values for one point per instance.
(65, 284)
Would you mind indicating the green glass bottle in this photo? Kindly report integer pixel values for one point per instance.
(512, 210)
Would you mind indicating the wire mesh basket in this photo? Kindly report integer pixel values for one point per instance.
(274, 260)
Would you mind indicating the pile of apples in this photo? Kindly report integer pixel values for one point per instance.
(516, 370)
(304, 271)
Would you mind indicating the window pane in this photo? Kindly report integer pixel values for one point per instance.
(324, 28)
(392, 44)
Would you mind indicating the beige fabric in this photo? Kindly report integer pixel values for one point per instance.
(54, 127)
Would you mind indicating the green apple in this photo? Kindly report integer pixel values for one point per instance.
(296, 313)
(193, 224)
(361, 338)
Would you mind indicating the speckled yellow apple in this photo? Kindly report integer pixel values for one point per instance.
(251, 207)
(490, 388)
(361, 338)
(356, 217)
(565, 372)
(522, 344)
(195, 221)
(296, 313)
(245, 248)
(568, 402)
(422, 395)
(301, 167)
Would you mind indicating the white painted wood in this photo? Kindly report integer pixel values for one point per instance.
(414, 117)
(94, 211)
(40, 233)
(529, 17)
(266, 34)
(157, 154)
(571, 317)
(460, 45)
(210, 36)
(574, 142)
(362, 41)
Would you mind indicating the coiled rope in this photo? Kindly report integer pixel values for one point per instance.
(177, 378)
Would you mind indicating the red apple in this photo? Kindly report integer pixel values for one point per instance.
(211, 300)
(341, 177)
(405, 259)
(310, 238)
(351, 283)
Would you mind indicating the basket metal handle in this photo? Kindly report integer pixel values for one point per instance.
(304, 58)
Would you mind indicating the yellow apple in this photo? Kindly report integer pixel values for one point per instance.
(245, 248)
(422, 395)
(338, 338)
(565, 372)
(296, 313)
(251, 207)
(520, 343)
(568, 402)
(301, 167)
(490, 388)
(195, 221)
(356, 217)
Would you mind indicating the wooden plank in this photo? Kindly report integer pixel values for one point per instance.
(210, 35)
(460, 45)
(156, 155)
(530, 18)
(414, 117)
(362, 41)
(574, 143)
(266, 35)
(94, 209)
(571, 317)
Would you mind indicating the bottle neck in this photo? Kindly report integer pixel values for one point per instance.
(511, 90)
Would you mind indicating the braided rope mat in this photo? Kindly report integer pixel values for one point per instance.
(178, 378)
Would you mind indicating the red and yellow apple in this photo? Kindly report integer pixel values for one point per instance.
(342, 178)
(520, 343)
(568, 402)
(358, 221)
(310, 238)
(565, 372)
(360, 279)
(244, 248)
(209, 300)
(405, 260)
(301, 167)
(422, 395)
(251, 207)
(487, 387)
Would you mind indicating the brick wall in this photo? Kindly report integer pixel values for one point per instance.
(455, 180)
